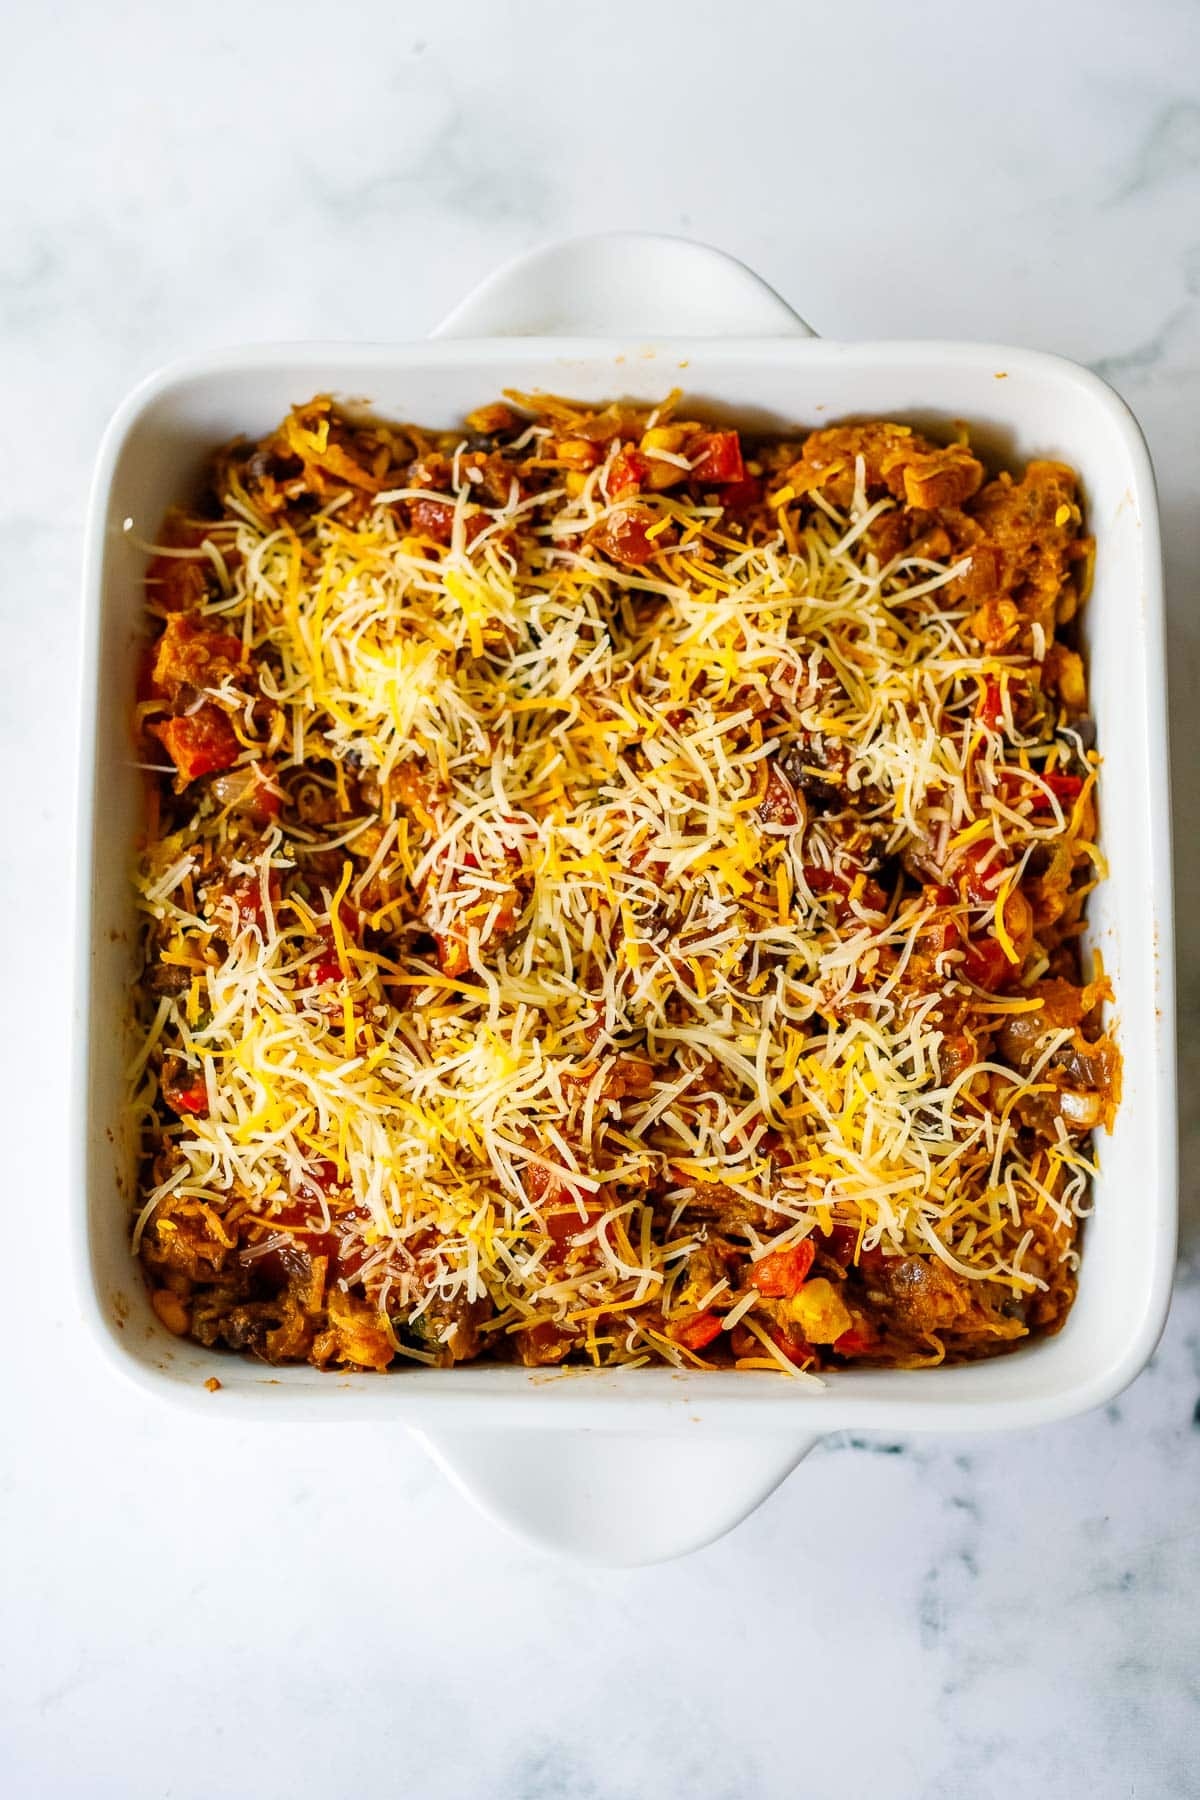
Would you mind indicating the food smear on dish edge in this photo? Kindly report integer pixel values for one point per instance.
(612, 894)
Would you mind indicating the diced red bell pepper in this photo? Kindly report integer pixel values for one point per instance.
(627, 473)
(199, 743)
(696, 1333)
(783, 1272)
(718, 459)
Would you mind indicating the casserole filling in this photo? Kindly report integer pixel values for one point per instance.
(612, 892)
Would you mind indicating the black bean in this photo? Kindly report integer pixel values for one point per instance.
(168, 978)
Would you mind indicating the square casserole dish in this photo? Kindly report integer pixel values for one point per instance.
(629, 1466)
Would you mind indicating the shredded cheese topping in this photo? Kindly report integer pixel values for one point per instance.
(584, 927)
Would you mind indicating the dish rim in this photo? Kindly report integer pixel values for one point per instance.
(939, 1411)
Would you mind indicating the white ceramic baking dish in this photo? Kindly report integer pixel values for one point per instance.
(634, 1466)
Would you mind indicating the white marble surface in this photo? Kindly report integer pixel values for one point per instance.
(205, 1609)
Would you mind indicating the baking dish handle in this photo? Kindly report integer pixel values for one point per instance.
(629, 284)
(617, 1499)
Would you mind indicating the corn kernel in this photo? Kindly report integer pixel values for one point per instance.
(577, 453)
(663, 437)
(820, 1311)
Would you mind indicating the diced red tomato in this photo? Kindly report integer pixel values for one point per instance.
(176, 583)
(318, 1177)
(1014, 785)
(833, 881)
(541, 1183)
(740, 496)
(199, 743)
(855, 1342)
(991, 706)
(433, 519)
(794, 1348)
(779, 801)
(249, 789)
(565, 1222)
(717, 458)
(783, 1272)
(543, 1344)
(246, 895)
(698, 1332)
(981, 868)
(840, 1242)
(944, 931)
(825, 881)
(327, 966)
(557, 1200)
(941, 934)
(307, 1238)
(265, 800)
(1066, 788)
(453, 955)
(625, 535)
(188, 654)
(985, 963)
(179, 583)
(187, 1095)
(627, 473)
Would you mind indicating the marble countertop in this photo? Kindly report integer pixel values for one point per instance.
(198, 1609)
